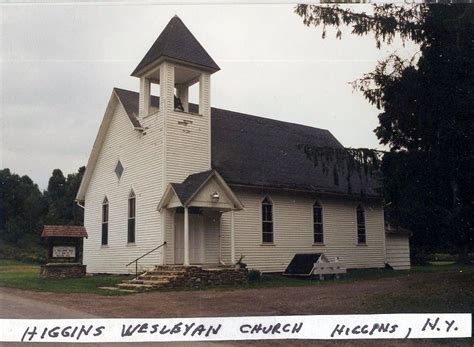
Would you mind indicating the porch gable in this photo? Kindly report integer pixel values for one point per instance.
(205, 189)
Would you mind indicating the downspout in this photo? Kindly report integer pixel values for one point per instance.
(79, 204)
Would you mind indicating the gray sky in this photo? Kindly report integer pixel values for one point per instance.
(59, 64)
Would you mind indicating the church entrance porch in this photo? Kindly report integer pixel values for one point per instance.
(195, 207)
(204, 239)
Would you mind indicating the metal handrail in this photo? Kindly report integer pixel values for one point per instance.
(136, 260)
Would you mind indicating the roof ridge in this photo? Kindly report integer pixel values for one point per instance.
(240, 113)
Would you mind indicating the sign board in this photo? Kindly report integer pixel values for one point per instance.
(64, 252)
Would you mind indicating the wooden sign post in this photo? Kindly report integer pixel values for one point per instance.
(65, 244)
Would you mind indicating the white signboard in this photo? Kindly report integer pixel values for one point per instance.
(129, 330)
(64, 252)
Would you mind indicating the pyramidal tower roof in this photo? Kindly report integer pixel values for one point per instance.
(177, 42)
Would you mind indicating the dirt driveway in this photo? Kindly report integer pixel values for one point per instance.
(333, 298)
(337, 298)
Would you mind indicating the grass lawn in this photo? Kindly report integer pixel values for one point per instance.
(358, 275)
(451, 291)
(441, 262)
(14, 274)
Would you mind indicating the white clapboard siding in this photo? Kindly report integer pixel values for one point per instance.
(398, 251)
(187, 145)
(141, 157)
(293, 231)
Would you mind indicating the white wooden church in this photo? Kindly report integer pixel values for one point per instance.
(211, 186)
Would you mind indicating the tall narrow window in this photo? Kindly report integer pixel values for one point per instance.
(267, 221)
(131, 217)
(318, 223)
(105, 221)
(361, 234)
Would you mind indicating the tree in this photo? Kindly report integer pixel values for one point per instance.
(425, 118)
(56, 197)
(22, 209)
(61, 194)
(75, 214)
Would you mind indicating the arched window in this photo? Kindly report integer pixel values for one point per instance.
(361, 234)
(105, 222)
(318, 223)
(267, 221)
(131, 217)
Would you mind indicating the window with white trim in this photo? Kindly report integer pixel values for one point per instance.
(267, 221)
(131, 217)
(361, 232)
(318, 236)
(105, 222)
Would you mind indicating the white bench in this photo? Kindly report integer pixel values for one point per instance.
(329, 268)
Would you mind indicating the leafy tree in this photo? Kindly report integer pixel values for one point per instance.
(75, 214)
(56, 197)
(425, 118)
(22, 209)
(61, 194)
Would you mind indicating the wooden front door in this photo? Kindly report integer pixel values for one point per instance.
(196, 239)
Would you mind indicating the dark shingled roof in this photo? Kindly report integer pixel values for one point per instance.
(177, 42)
(262, 152)
(129, 101)
(64, 231)
(189, 186)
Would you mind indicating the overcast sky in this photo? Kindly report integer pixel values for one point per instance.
(59, 64)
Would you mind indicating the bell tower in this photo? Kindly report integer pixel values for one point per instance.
(176, 61)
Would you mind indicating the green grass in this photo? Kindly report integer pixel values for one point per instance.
(441, 262)
(451, 291)
(355, 275)
(14, 274)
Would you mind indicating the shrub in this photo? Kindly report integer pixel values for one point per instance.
(254, 275)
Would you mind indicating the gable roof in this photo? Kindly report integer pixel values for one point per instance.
(64, 231)
(187, 190)
(177, 42)
(261, 152)
(190, 185)
(130, 104)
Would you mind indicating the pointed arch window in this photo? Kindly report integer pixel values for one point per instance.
(267, 221)
(318, 235)
(131, 217)
(361, 232)
(105, 222)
